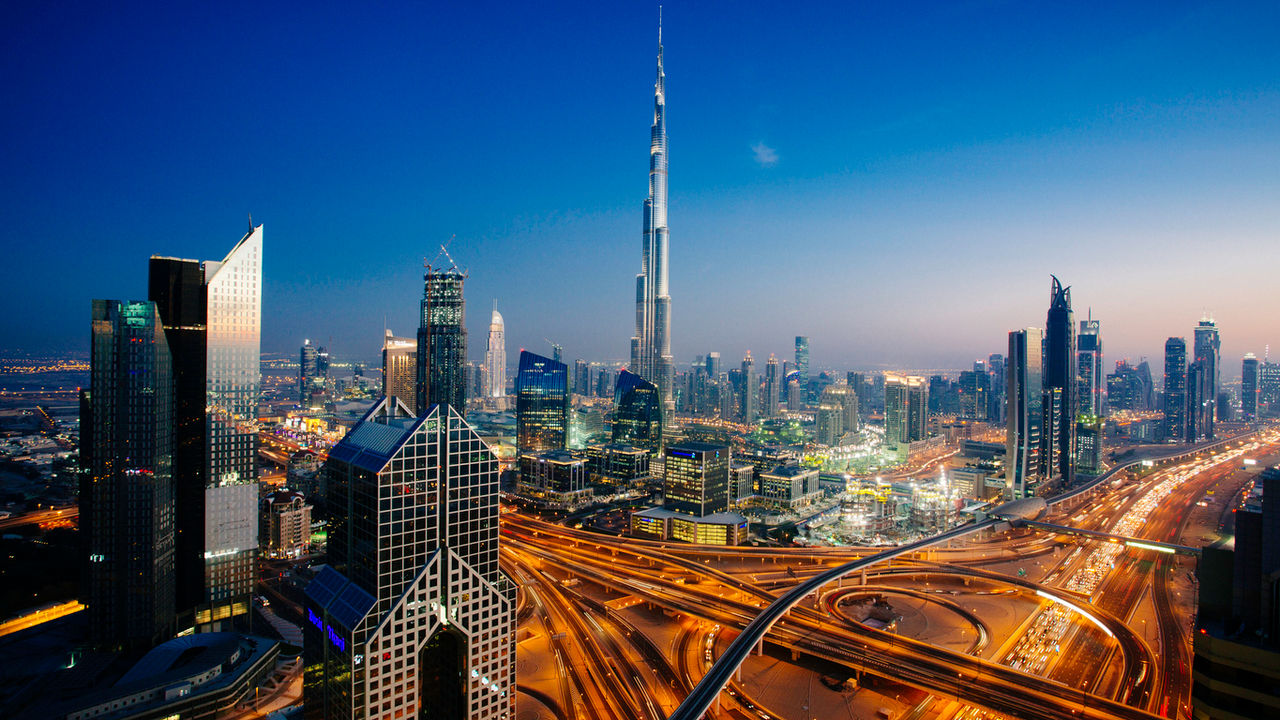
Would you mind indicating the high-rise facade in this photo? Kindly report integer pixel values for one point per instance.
(400, 369)
(996, 381)
(696, 478)
(1175, 390)
(651, 356)
(637, 412)
(212, 317)
(1024, 388)
(1249, 388)
(412, 617)
(442, 341)
(749, 394)
(802, 358)
(974, 388)
(542, 404)
(1060, 386)
(1092, 377)
(495, 356)
(1208, 347)
(772, 387)
(307, 371)
(126, 488)
(906, 411)
(1199, 403)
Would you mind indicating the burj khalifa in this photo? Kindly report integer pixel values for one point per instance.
(651, 345)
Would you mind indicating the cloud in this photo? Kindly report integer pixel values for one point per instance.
(765, 155)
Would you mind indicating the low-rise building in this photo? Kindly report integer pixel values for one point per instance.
(789, 487)
(714, 529)
(554, 479)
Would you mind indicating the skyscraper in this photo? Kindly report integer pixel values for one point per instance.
(906, 414)
(1089, 369)
(1208, 350)
(1025, 415)
(1249, 387)
(1175, 390)
(974, 391)
(126, 489)
(542, 404)
(1199, 403)
(772, 386)
(495, 357)
(1060, 386)
(750, 391)
(307, 371)
(212, 317)
(696, 478)
(802, 358)
(400, 368)
(637, 412)
(651, 346)
(411, 617)
(442, 341)
(997, 383)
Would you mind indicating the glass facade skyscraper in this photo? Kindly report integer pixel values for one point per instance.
(126, 487)
(696, 478)
(1060, 385)
(637, 412)
(906, 411)
(1208, 347)
(651, 356)
(1025, 415)
(1175, 390)
(802, 358)
(400, 368)
(542, 404)
(412, 617)
(442, 341)
(1089, 369)
(212, 316)
(1249, 387)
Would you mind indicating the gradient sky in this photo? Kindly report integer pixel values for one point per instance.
(896, 181)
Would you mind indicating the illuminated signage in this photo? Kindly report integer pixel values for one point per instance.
(334, 637)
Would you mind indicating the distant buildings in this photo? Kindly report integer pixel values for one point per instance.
(772, 387)
(837, 414)
(442, 341)
(400, 369)
(542, 404)
(974, 387)
(412, 614)
(127, 487)
(1130, 387)
(1175, 390)
(212, 317)
(802, 358)
(637, 412)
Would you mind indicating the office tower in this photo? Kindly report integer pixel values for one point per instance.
(696, 478)
(554, 478)
(837, 413)
(479, 380)
(795, 395)
(749, 393)
(906, 415)
(1208, 350)
(400, 368)
(557, 353)
(802, 358)
(974, 391)
(996, 382)
(411, 617)
(307, 371)
(581, 377)
(1175, 390)
(1199, 404)
(651, 346)
(1060, 386)
(126, 488)
(772, 386)
(1225, 412)
(713, 365)
(1124, 388)
(637, 412)
(542, 404)
(442, 340)
(1089, 367)
(1268, 388)
(1089, 444)
(212, 316)
(1249, 388)
(1025, 415)
(495, 357)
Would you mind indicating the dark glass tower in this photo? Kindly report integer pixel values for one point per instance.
(637, 412)
(1175, 390)
(1025, 415)
(1208, 354)
(802, 358)
(542, 404)
(212, 315)
(1249, 387)
(1060, 386)
(126, 491)
(412, 617)
(442, 341)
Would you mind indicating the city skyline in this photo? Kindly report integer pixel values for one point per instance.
(907, 165)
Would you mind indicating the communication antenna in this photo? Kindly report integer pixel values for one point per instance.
(250, 222)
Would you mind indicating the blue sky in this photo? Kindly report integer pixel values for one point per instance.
(895, 181)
